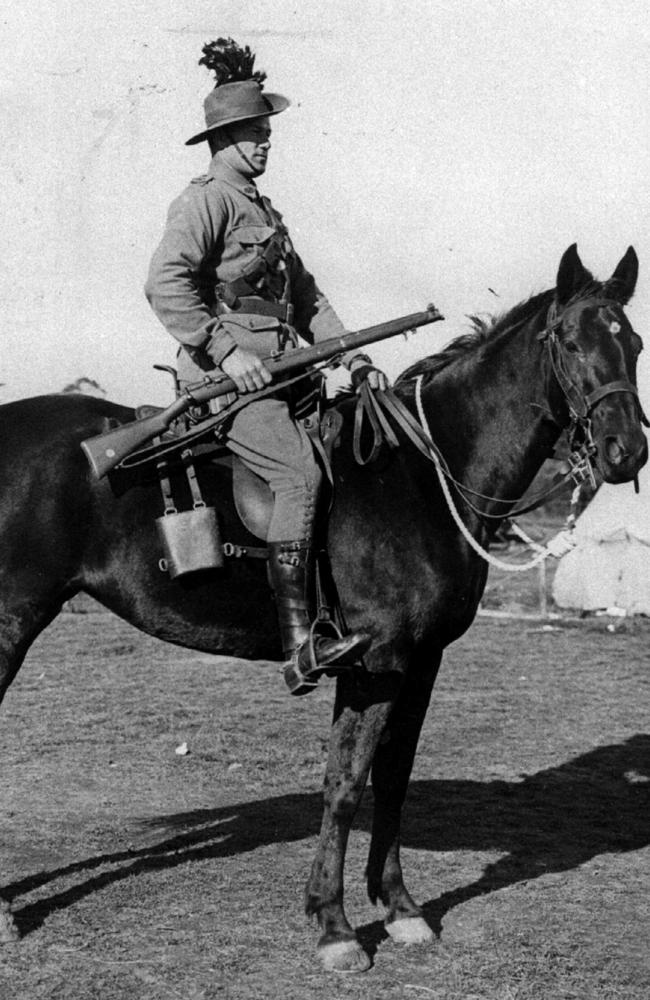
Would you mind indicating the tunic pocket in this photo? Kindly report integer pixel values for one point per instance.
(250, 236)
(250, 321)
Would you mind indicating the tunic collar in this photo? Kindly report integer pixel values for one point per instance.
(223, 172)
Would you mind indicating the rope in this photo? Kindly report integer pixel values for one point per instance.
(562, 541)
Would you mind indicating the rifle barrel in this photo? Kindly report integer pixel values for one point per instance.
(315, 353)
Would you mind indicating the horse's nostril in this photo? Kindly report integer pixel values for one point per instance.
(615, 450)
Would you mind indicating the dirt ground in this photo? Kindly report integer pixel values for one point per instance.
(137, 873)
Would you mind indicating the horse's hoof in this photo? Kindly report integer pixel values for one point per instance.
(8, 930)
(410, 930)
(344, 957)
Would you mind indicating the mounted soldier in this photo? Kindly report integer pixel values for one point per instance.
(228, 284)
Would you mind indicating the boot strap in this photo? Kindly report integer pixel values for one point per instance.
(294, 603)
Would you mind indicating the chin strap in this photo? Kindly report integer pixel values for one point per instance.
(240, 151)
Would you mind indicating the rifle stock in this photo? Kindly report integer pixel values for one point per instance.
(105, 451)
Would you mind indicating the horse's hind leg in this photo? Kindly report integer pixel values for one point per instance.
(391, 771)
(20, 623)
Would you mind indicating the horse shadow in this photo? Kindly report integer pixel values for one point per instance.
(551, 821)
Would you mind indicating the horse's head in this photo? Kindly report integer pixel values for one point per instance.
(593, 353)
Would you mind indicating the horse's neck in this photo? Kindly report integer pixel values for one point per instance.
(490, 408)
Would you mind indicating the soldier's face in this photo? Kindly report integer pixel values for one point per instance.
(249, 149)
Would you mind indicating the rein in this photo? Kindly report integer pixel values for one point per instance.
(374, 404)
(580, 406)
(558, 546)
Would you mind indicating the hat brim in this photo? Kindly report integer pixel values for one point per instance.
(277, 101)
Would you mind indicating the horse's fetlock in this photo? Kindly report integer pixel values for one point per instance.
(336, 936)
(345, 806)
(376, 894)
(373, 895)
(374, 887)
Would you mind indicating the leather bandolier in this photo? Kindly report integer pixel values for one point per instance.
(264, 285)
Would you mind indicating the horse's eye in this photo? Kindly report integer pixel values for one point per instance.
(571, 347)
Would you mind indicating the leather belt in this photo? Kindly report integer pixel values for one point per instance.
(258, 307)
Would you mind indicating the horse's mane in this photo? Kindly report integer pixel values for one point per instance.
(483, 329)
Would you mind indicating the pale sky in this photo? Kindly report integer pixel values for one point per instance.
(434, 151)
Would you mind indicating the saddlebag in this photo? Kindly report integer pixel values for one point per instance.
(190, 539)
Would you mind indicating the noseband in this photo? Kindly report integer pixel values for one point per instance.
(580, 404)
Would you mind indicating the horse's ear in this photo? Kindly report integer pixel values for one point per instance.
(622, 283)
(572, 275)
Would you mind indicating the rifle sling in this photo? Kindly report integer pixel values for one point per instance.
(149, 454)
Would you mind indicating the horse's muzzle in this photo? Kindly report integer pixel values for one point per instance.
(622, 456)
(621, 445)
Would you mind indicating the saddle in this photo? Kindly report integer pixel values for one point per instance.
(252, 495)
(191, 538)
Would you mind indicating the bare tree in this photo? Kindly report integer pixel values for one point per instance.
(86, 386)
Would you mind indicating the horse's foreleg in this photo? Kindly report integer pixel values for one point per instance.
(391, 771)
(359, 720)
(12, 654)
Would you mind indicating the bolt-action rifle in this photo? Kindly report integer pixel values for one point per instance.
(105, 451)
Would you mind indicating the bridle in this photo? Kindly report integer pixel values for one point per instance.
(580, 406)
(579, 403)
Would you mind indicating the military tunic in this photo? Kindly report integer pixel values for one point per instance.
(219, 231)
(215, 231)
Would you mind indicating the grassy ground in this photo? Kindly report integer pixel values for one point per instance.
(531, 592)
(136, 872)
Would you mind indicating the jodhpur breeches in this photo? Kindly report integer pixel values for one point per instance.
(275, 447)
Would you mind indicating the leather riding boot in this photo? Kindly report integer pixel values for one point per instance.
(309, 652)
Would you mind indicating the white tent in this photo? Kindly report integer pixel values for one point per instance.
(610, 566)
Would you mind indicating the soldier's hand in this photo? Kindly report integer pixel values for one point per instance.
(361, 370)
(247, 371)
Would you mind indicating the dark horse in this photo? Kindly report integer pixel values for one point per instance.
(496, 399)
